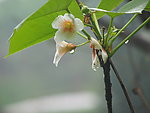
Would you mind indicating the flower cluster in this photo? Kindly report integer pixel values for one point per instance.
(68, 26)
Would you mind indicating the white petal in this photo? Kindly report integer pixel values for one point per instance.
(61, 36)
(62, 44)
(56, 58)
(104, 56)
(95, 63)
(56, 24)
(95, 60)
(78, 24)
(69, 17)
(95, 43)
(59, 52)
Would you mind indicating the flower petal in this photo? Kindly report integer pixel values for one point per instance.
(56, 24)
(78, 24)
(95, 63)
(61, 36)
(69, 17)
(95, 44)
(60, 51)
(104, 56)
(95, 60)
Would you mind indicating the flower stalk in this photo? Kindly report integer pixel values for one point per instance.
(127, 38)
(83, 43)
(96, 24)
(82, 35)
(87, 34)
(108, 32)
(121, 30)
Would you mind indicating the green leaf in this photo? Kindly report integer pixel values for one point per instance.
(37, 27)
(148, 6)
(75, 10)
(108, 5)
(135, 6)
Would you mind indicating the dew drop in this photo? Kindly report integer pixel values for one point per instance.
(127, 42)
(72, 51)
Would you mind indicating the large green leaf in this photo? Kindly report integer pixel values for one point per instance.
(108, 5)
(75, 10)
(37, 27)
(135, 6)
(148, 6)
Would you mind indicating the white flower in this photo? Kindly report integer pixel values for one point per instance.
(95, 45)
(67, 26)
(61, 49)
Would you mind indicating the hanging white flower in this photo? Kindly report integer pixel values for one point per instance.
(61, 49)
(95, 45)
(67, 26)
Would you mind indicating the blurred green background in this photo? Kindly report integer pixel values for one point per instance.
(30, 83)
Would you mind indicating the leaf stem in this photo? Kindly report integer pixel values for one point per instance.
(83, 43)
(82, 35)
(98, 35)
(87, 34)
(109, 29)
(128, 37)
(123, 87)
(96, 24)
(120, 31)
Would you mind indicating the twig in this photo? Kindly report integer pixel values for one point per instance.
(123, 87)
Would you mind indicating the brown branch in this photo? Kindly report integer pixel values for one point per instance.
(123, 87)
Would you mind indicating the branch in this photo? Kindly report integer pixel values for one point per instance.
(107, 81)
(123, 87)
(108, 85)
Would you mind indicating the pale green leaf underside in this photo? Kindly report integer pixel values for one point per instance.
(135, 6)
(37, 27)
(107, 5)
